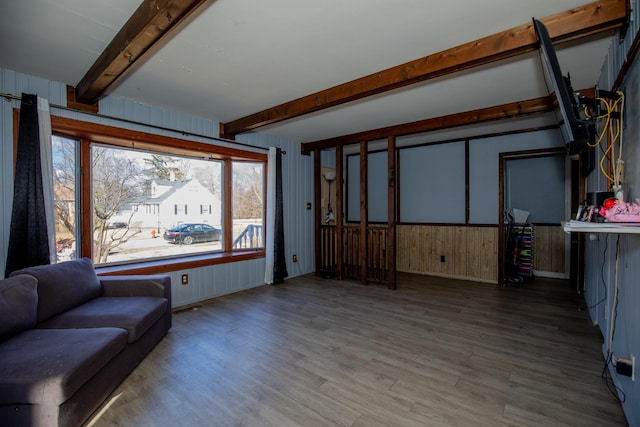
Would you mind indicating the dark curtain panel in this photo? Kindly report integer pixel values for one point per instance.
(279, 261)
(28, 239)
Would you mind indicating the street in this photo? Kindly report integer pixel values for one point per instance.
(143, 245)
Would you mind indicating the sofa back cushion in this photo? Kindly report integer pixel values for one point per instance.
(18, 304)
(63, 286)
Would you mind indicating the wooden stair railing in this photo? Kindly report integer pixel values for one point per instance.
(250, 237)
(377, 254)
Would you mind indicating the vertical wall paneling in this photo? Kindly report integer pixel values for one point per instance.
(392, 189)
(8, 84)
(600, 256)
(469, 252)
(339, 157)
(297, 187)
(205, 282)
(364, 210)
(318, 207)
(459, 258)
(549, 253)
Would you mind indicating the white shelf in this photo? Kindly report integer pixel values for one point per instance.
(601, 227)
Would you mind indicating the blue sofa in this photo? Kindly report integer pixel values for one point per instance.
(69, 337)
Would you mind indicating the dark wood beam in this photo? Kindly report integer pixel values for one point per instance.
(72, 103)
(364, 211)
(153, 21)
(339, 212)
(391, 211)
(504, 111)
(317, 198)
(580, 22)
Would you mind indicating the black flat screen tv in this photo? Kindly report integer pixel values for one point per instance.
(576, 132)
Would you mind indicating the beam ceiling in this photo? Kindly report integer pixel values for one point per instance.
(153, 21)
(596, 17)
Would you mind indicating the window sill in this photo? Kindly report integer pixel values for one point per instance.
(167, 265)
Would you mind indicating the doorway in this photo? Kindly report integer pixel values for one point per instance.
(536, 185)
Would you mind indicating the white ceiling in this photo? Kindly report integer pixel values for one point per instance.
(237, 57)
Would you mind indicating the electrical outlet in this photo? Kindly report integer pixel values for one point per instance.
(625, 366)
(185, 279)
(295, 258)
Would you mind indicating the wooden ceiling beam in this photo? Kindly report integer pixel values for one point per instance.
(153, 21)
(602, 15)
(511, 110)
(482, 115)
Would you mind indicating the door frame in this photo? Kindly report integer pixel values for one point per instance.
(503, 158)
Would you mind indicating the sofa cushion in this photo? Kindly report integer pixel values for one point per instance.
(63, 286)
(135, 314)
(18, 304)
(49, 365)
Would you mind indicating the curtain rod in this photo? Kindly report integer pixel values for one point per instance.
(9, 97)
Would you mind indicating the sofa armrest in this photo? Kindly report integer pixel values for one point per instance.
(139, 286)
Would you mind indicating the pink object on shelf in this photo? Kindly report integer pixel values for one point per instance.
(621, 212)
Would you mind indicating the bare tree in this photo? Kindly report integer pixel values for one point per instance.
(64, 179)
(248, 190)
(115, 185)
(209, 174)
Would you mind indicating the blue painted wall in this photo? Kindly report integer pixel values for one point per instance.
(601, 263)
(437, 172)
(205, 282)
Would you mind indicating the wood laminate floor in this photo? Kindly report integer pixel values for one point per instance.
(318, 352)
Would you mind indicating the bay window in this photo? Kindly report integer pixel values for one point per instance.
(128, 198)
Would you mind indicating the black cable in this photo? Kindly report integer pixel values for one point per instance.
(616, 391)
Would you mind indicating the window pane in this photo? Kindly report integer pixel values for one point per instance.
(248, 205)
(64, 153)
(147, 205)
